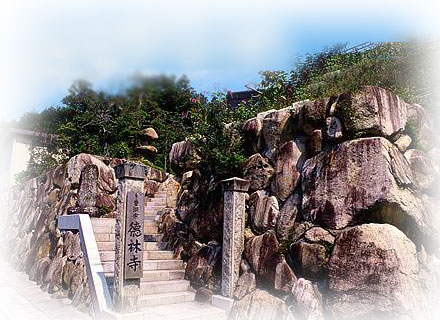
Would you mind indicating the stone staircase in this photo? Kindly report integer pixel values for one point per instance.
(163, 284)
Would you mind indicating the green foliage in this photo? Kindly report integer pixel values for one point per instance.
(287, 241)
(121, 150)
(216, 137)
(394, 66)
(93, 121)
(104, 210)
(42, 159)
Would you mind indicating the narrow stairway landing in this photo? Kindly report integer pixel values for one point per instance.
(165, 294)
(21, 298)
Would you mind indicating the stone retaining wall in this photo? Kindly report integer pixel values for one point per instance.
(33, 243)
(341, 213)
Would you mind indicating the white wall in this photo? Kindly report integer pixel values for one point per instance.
(19, 159)
(14, 158)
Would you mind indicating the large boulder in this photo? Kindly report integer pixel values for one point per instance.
(258, 171)
(286, 170)
(372, 111)
(425, 172)
(277, 128)
(333, 129)
(420, 128)
(177, 235)
(204, 268)
(183, 156)
(39, 270)
(54, 274)
(150, 133)
(402, 142)
(58, 176)
(284, 276)
(155, 174)
(287, 216)
(246, 284)
(373, 274)
(150, 187)
(200, 206)
(363, 179)
(307, 300)
(191, 191)
(314, 143)
(252, 133)
(72, 246)
(263, 254)
(106, 175)
(311, 115)
(311, 253)
(260, 305)
(263, 211)
(207, 224)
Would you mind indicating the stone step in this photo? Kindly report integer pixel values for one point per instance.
(107, 256)
(155, 287)
(151, 216)
(163, 265)
(103, 221)
(148, 246)
(165, 298)
(190, 310)
(108, 229)
(162, 275)
(108, 266)
(158, 198)
(106, 246)
(153, 237)
(105, 237)
(153, 246)
(155, 204)
(103, 229)
(150, 230)
(158, 255)
(150, 223)
(154, 208)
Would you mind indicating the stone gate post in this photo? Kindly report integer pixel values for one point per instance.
(129, 236)
(233, 237)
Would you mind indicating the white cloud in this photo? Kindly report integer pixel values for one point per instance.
(48, 44)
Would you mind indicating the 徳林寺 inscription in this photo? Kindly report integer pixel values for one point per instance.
(134, 236)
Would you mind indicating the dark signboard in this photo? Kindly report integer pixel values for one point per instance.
(134, 236)
(233, 99)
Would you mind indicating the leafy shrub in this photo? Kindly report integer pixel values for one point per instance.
(111, 124)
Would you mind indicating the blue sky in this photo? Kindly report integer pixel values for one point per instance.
(46, 45)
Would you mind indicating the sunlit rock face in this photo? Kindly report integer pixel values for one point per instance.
(286, 170)
(374, 271)
(365, 179)
(54, 260)
(260, 305)
(372, 111)
(341, 216)
(258, 171)
(341, 212)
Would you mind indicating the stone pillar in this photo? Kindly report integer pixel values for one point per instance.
(233, 232)
(130, 207)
